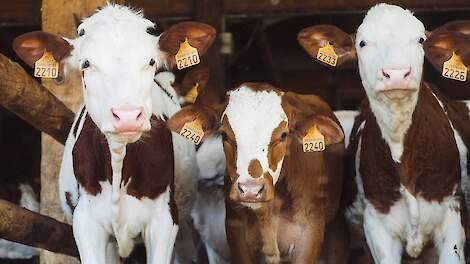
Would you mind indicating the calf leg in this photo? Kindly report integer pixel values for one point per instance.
(90, 236)
(160, 234)
(384, 247)
(450, 238)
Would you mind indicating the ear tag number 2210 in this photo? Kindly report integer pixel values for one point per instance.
(193, 131)
(327, 55)
(187, 56)
(455, 69)
(314, 141)
(46, 67)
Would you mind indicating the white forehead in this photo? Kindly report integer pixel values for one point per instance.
(390, 23)
(116, 33)
(253, 115)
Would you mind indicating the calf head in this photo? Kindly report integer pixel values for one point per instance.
(117, 51)
(257, 124)
(388, 46)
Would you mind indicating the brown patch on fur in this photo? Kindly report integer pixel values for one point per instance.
(277, 146)
(255, 169)
(148, 167)
(429, 164)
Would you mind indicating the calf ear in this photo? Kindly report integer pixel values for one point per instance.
(447, 39)
(31, 46)
(315, 37)
(325, 125)
(206, 115)
(199, 35)
(193, 85)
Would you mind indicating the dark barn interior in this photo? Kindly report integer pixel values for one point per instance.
(259, 45)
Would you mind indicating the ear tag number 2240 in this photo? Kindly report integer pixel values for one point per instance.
(46, 67)
(314, 141)
(187, 56)
(193, 131)
(455, 69)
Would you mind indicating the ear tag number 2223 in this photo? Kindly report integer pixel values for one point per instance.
(455, 69)
(313, 141)
(46, 66)
(327, 55)
(187, 56)
(193, 131)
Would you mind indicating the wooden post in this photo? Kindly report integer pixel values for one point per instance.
(24, 96)
(58, 18)
(35, 230)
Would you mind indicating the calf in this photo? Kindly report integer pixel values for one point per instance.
(123, 174)
(279, 199)
(406, 146)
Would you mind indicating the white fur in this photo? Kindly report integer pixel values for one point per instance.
(13, 250)
(119, 50)
(392, 41)
(346, 118)
(209, 209)
(253, 116)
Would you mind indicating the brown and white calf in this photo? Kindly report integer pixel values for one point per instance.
(408, 157)
(124, 174)
(279, 199)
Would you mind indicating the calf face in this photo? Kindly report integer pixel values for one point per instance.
(117, 51)
(257, 123)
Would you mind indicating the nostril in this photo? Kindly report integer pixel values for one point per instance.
(386, 75)
(261, 190)
(240, 189)
(140, 115)
(408, 73)
(115, 115)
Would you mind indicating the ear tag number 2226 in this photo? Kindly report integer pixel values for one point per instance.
(46, 66)
(187, 56)
(327, 55)
(455, 69)
(193, 131)
(313, 141)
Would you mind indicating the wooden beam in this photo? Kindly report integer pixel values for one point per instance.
(35, 230)
(24, 96)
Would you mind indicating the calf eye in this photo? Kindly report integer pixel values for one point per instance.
(421, 40)
(284, 136)
(362, 44)
(85, 64)
(152, 62)
(224, 136)
(81, 32)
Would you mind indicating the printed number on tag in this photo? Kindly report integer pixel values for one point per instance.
(327, 55)
(46, 67)
(313, 141)
(455, 69)
(187, 56)
(193, 131)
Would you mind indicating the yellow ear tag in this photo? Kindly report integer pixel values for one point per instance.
(193, 131)
(46, 66)
(455, 69)
(314, 140)
(187, 55)
(327, 55)
(191, 96)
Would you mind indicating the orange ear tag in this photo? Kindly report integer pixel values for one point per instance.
(314, 141)
(46, 66)
(327, 55)
(191, 96)
(187, 55)
(193, 131)
(455, 69)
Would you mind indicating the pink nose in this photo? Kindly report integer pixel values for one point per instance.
(396, 77)
(251, 191)
(127, 119)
